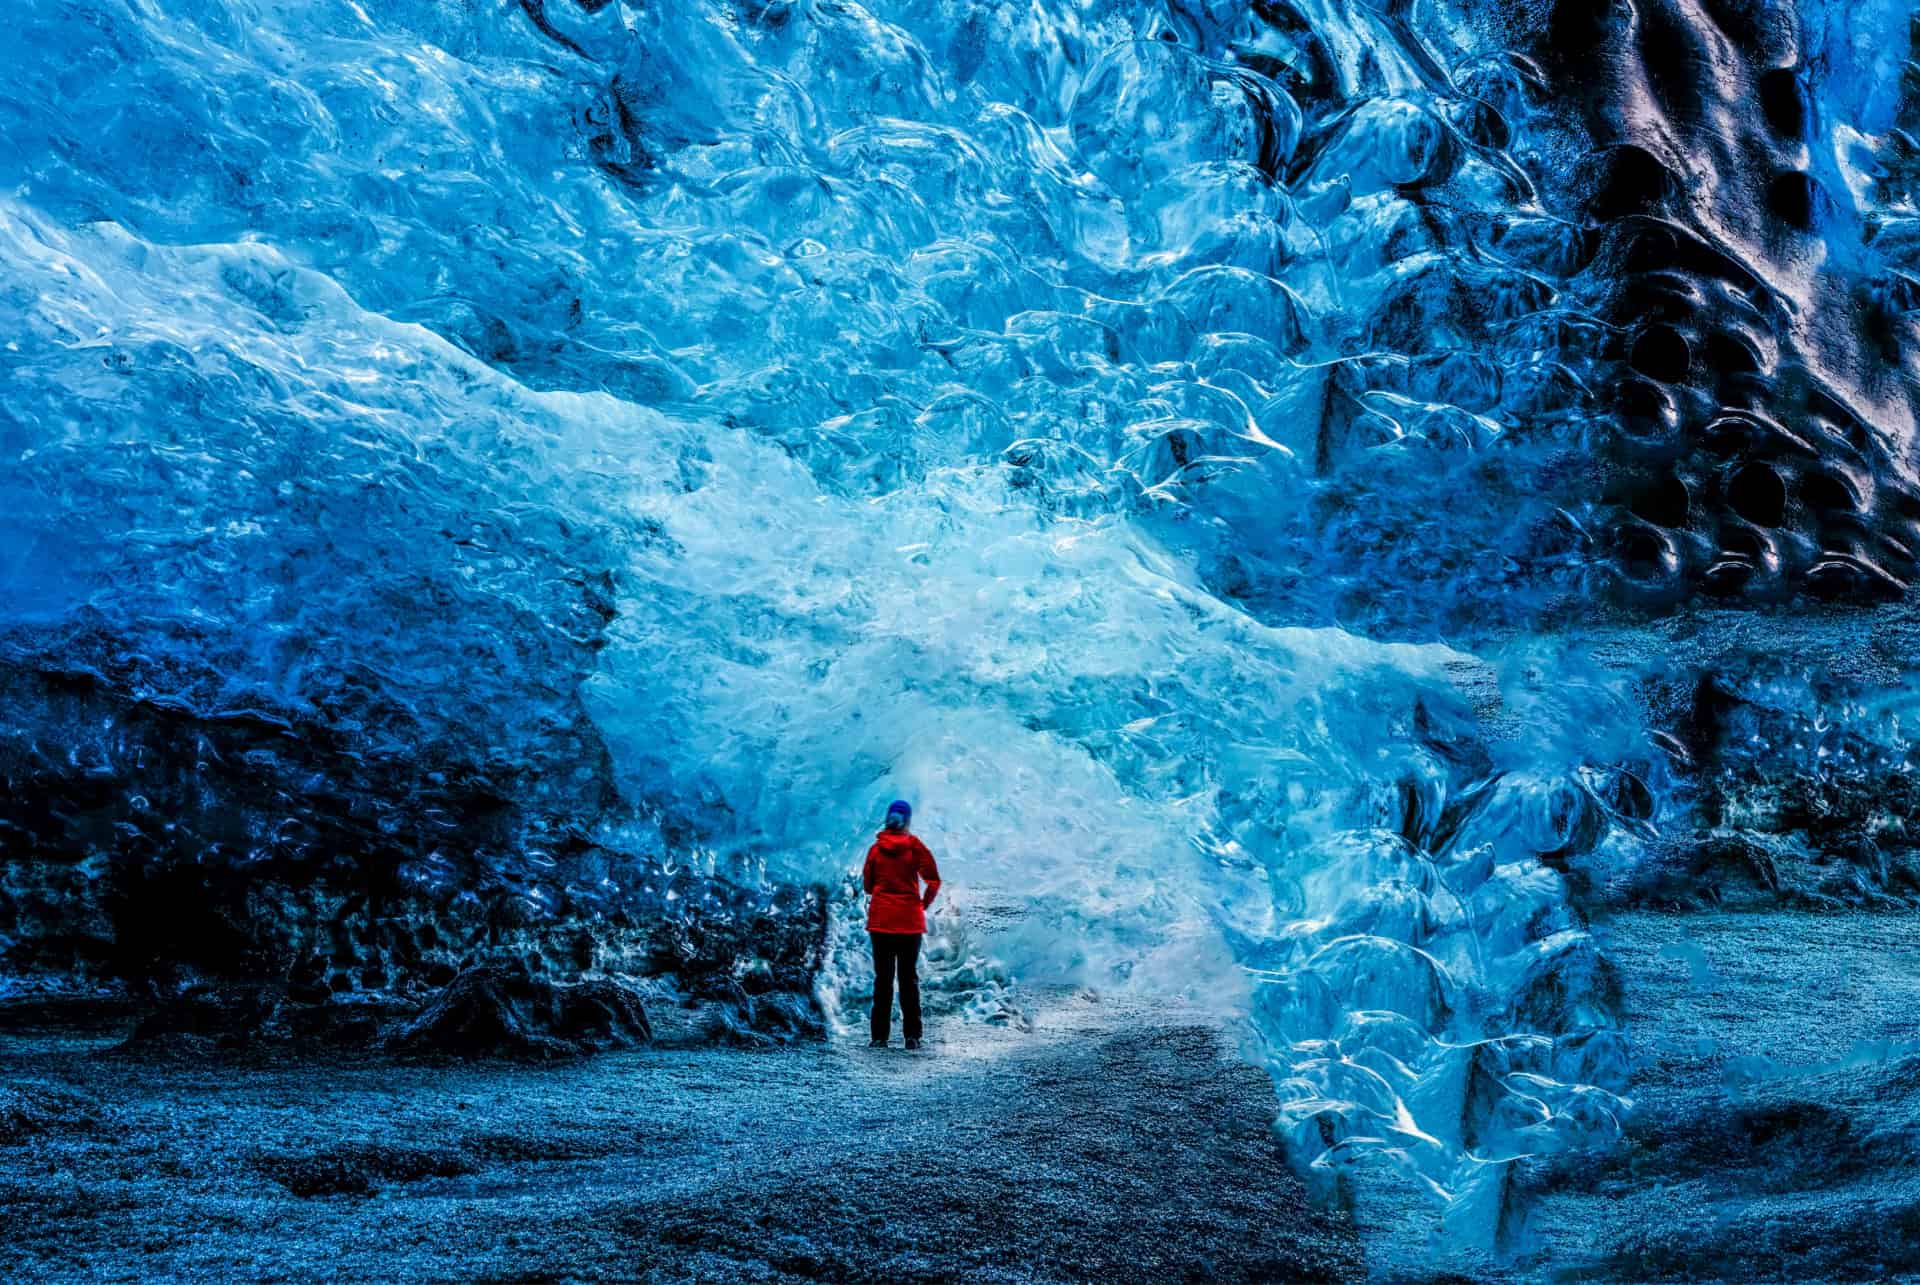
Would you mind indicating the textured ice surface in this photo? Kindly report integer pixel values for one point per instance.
(1153, 437)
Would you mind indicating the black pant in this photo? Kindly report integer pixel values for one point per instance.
(896, 952)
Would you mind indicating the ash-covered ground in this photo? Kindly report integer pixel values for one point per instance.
(1108, 1143)
(1776, 1134)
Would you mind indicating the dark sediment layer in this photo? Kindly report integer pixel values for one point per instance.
(1763, 365)
(1786, 769)
(488, 1012)
(243, 877)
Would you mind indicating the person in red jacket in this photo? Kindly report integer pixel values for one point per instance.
(897, 919)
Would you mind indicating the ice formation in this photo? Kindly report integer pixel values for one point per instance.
(1174, 443)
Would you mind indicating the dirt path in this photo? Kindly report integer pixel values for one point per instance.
(1108, 1145)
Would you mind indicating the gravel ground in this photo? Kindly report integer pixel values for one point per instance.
(1105, 1144)
(1776, 1125)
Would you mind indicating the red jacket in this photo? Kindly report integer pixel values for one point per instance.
(896, 863)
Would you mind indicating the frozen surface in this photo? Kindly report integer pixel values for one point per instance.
(1178, 445)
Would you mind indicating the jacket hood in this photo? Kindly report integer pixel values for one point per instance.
(893, 838)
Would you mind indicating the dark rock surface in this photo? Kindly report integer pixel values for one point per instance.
(240, 874)
(1762, 413)
(1108, 1145)
(1788, 774)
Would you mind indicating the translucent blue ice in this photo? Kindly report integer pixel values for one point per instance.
(1074, 417)
(850, 404)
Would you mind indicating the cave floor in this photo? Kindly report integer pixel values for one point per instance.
(1776, 1125)
(1104, 1144)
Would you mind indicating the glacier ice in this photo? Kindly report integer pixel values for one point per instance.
(1157, 438)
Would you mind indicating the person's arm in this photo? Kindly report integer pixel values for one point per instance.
(866, 872)
(924, 867)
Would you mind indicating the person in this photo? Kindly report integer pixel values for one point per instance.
(897, 864)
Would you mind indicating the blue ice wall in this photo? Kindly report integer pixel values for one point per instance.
(1157, 438)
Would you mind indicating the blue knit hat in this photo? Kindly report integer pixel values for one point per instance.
(904, 808)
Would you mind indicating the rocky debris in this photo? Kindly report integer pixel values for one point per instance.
(152, 831)
(762, 1021)
(218, 1019)
(317, 963)
(492, 1010)
(228, 1016)
(500, 1012)
(1800, 788)
(245, 879)
(165, 928)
